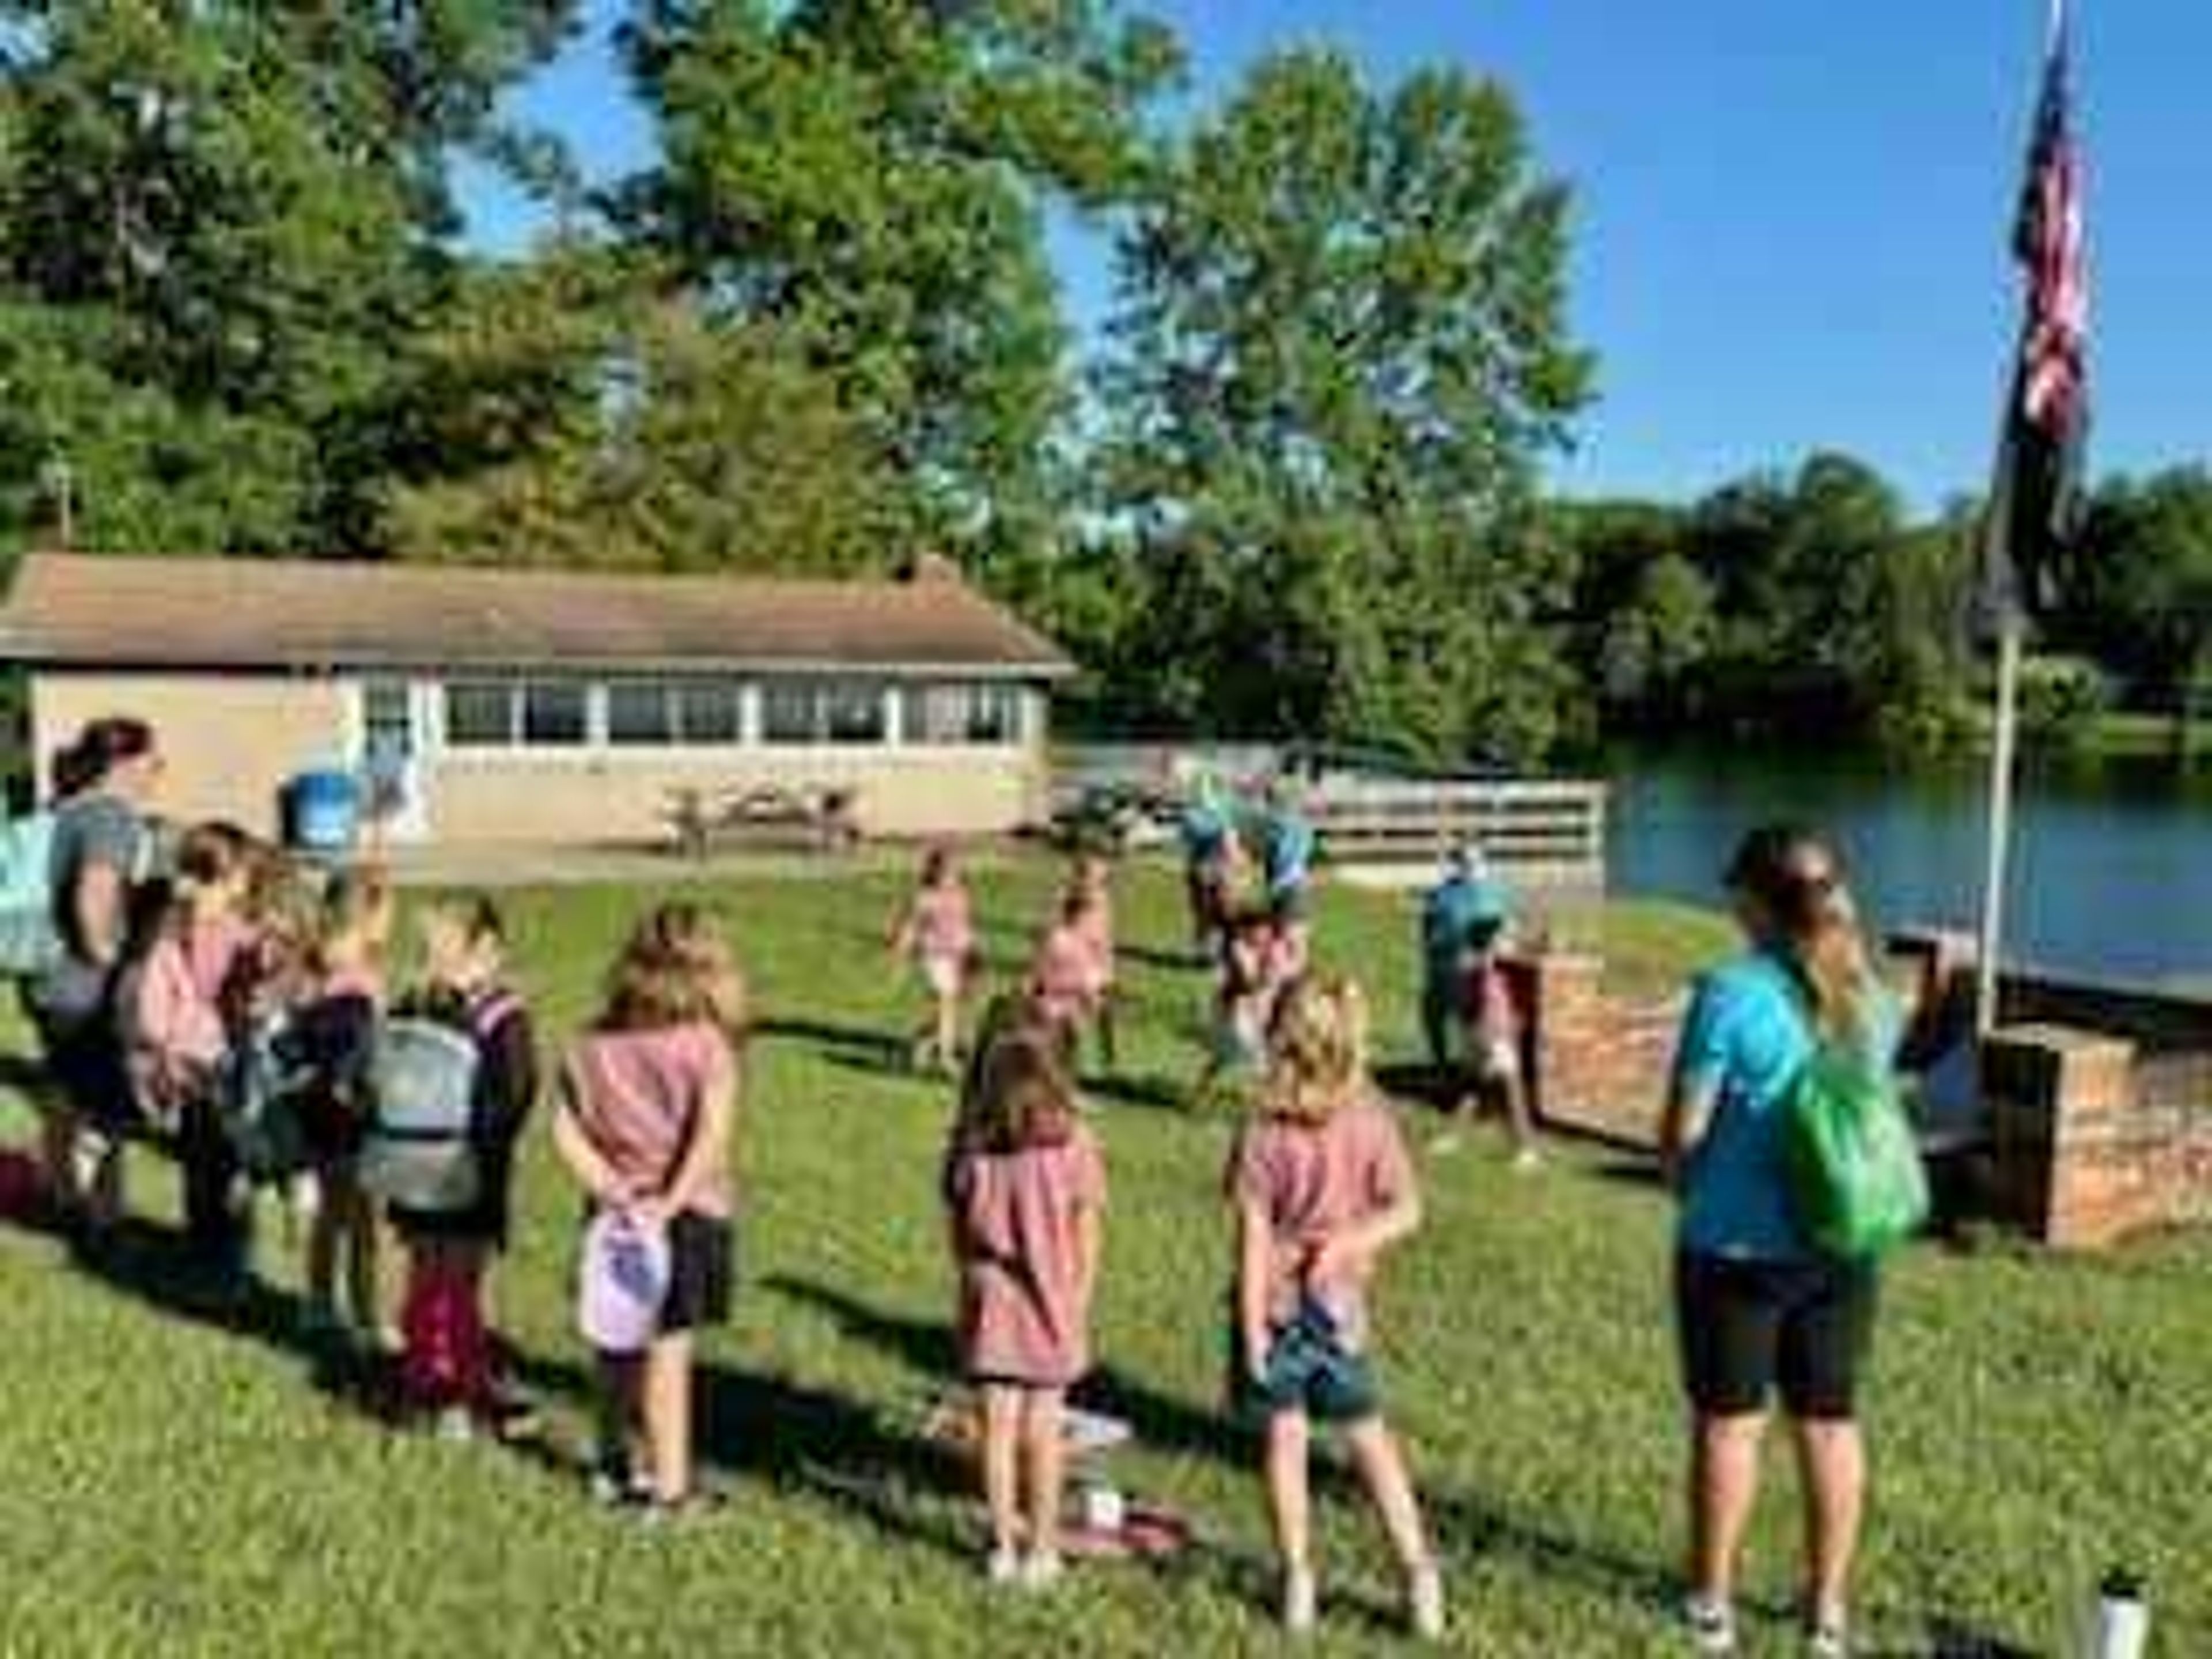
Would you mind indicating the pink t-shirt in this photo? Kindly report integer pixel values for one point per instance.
(1097, 930)
(173, 1015)
(1312, 1181)
(943, 923)
(1066, 975)
(637, 1096)
(1024, 1315)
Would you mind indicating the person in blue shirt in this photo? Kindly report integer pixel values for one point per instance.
(1463, 913)
(1209, 854)
(1758, 1309)
(1287, 849)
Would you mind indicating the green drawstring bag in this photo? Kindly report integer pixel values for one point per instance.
(1852, 1159)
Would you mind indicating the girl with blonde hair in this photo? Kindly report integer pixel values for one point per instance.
(647, 1119)
(1321, 1188)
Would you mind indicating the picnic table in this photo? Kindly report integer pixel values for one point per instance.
(819, 818)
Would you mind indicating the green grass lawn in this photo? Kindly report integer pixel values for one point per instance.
(173, 1484)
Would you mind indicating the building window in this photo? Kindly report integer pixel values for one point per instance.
(955, 715)
(556, 714)
(823, 711)
(480, 715)
(709, 712)
(640, 714)
(853, 713)
(790, 711)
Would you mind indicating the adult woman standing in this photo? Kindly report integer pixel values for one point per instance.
(1760, 1308)
(102, 783)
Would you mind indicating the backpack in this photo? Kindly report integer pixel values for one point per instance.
(30, 942)
(419, 1153)
(260, 1085)
(1851, 1156)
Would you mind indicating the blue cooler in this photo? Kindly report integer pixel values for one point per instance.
(323, 812)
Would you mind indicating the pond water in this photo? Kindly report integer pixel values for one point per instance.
(2111, 871)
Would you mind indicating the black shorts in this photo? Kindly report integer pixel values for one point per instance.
(84, 1059)
(702, 1266)
(1748, 1327)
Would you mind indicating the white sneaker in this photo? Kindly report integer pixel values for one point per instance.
(1301, 1603)
(1004, 1568)
(1712, 1626)
(1043, 1570)
(1425, 1603)
(1828, 1638)
(455, 1425)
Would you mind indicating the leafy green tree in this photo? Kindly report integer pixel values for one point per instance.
(219, 226)
(579, 420)
(2139, 593)
(1342, 354)
(873, 177)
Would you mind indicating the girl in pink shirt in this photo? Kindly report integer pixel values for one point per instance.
(1066, 980)
(1321, 1188)
(173, 1009)
(937, 932)
(1025, 1195)
(1092, 880)
(648, 1110)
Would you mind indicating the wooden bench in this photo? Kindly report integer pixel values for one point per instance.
(818, 819)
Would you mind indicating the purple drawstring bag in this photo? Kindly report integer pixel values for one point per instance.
(621, 1282)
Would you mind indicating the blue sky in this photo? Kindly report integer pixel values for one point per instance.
(1791, 217)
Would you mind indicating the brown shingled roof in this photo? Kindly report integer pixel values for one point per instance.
(253, 613)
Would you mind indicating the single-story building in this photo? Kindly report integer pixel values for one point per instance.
(543, 708)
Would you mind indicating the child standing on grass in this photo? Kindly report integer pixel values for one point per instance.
(449, 1367)
(1261, 959)
(649, 1101)
(1321, 1188)
(1066, 979)
(1092, 881)
(174, 1006)
(1026, 1195)
(335, 1031)
(937, 932)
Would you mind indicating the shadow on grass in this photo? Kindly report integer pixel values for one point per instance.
(1428, 1084)
(1466, 1526)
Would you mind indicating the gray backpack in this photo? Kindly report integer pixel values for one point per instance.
(419, 1153)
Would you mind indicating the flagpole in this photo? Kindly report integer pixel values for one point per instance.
(2011, 627)
(2002, 757)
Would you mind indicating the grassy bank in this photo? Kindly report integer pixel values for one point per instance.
(175, 1483)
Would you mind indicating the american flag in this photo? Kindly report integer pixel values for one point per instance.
(2047, 423)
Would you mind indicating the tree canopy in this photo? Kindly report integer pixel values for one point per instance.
(1342, 354)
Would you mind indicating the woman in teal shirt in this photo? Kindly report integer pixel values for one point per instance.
(1759, 1309)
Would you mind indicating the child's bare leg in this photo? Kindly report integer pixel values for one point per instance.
(1382, 1467)
(103, 1202)
(1043, 1410)
(1288, 1497)
(364, 1286)
(1002, 1437)
(668, 1416)
(324, 1224)
(1518, 1118)
(57, 1139)
(948, 1029)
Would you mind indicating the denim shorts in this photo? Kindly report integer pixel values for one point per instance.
(1310, 1371)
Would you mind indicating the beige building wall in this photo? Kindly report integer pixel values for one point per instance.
(614, 799)
(231, 741)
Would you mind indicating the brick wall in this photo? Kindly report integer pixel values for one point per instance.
(2093, 1142)
(1601, 1062)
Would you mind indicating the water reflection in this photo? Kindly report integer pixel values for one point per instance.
(2110, 872)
